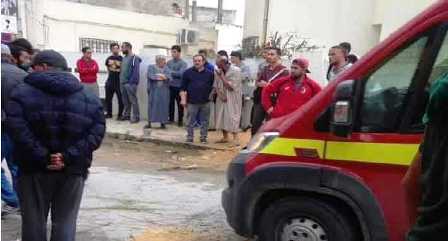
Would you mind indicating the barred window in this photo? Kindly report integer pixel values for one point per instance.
(97, 45)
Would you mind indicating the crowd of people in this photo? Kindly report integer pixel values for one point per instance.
(220, 98)
(53, 121)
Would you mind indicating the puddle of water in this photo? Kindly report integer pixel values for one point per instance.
(118, 204)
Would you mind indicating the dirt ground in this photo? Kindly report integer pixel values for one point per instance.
(139, 191)
(161, 157)
(150, 156)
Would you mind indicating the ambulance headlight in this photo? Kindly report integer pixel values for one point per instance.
(259, 141)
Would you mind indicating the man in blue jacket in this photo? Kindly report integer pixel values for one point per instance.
(129, 79)
(55, 125)
(197, 85)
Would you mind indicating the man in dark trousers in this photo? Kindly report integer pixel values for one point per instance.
(113, 64)
(270, 73)
(426, 182)
(197, 85)
(129, 79)
(55, 125)
(177, 67)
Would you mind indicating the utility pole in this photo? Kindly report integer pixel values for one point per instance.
(194, 14)
(187, 10)
(264, 34)
(219, 20)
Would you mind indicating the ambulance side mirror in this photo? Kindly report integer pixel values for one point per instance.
(341, 121)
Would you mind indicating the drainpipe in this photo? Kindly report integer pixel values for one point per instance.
(219, 20)
(187, 10)
(194, 13)
(264, 34)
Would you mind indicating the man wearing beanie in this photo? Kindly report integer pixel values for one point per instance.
(55, 125)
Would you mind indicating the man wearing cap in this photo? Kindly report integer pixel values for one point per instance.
(55, 125)
(292, 91)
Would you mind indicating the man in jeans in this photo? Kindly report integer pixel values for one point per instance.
(53, 145)
(129, 79)
(177, 67)
(197, 85)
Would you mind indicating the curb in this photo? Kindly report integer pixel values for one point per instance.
(197, 146)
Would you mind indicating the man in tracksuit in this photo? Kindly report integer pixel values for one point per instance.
(292, 91)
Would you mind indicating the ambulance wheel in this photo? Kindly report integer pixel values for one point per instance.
(304, 219)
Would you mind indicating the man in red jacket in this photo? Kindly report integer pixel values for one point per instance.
(292, 91)
(88, 70)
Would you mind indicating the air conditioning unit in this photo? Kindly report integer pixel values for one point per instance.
(186, 36)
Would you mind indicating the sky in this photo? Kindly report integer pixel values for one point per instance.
(228, 4)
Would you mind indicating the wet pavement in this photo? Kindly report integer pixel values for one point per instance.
(139, 204)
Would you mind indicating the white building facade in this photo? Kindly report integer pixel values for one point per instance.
(325, 23)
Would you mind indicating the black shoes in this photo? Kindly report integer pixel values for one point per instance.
(135, 121)
(122, 118)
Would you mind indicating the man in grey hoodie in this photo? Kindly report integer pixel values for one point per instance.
(129, 79)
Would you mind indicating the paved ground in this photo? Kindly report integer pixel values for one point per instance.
(150, 192)
(171, 135)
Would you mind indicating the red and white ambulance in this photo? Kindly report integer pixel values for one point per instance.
(332, 170)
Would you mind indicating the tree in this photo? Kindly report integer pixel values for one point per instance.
(291, 43)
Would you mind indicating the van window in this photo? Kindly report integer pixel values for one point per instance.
(441, 64)
(439, 68)
(386, 89)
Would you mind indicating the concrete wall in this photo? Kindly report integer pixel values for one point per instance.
(326, 22)
(253, 18)
(229, 37)
(393, 14)
(210, 15)
(61, 29)
(153, 7)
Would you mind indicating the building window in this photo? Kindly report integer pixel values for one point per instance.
(97, 45)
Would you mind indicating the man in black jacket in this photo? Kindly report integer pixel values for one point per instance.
(55, 125)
